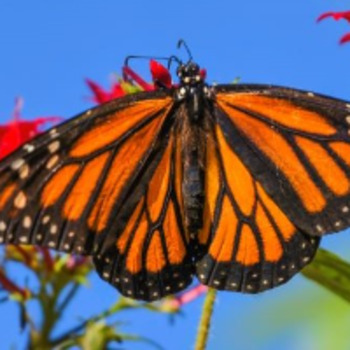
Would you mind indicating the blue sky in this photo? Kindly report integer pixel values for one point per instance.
(49, 47)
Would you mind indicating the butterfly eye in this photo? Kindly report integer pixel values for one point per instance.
(181, 70)
(194, 68)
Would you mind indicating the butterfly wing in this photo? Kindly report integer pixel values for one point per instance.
(277, 177)
(297, 144)
(88, 184)
(151, 256)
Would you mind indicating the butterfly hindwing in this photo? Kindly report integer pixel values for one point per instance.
(151, 256)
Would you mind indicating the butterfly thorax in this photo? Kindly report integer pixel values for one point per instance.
(190, 74)
(191, 91)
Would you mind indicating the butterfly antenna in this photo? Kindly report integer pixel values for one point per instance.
(182, 42)
(172, 59)
(131, 57)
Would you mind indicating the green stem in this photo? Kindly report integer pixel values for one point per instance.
(204, 323)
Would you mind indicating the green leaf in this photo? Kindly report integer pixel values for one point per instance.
(331, 272)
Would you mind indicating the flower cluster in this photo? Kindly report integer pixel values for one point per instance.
(131, 83)
(337, 16)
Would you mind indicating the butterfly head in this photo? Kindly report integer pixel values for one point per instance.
(190, 74)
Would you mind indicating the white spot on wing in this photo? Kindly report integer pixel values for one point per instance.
(45, 219)
(53, 133)
(20, 201)
(27, 222)
(17, 164)
(52, 161)
(23, 239)
(3, 226)
(319, 228)
(29, 148)
(53, 146)
(53, 229)
(23, 171)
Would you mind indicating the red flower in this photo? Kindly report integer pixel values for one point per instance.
(160, 74)
(345, 38)
(131, 82)
(101, 95)
(75, 261)
(131, 77)
(176, 302)
(19, 131)
(337, 16)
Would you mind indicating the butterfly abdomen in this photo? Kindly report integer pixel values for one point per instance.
(193, 151)
(193, 191)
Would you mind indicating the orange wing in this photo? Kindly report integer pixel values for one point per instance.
(104, 184)
(278, 176)
(251, 244)
(296, 144)
(151, 256)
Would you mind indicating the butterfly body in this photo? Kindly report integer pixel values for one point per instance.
(232, 183)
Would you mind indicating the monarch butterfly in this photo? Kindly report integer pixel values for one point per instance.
(232, 183)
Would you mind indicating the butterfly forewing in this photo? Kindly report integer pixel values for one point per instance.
(295, 143)
(53, 189)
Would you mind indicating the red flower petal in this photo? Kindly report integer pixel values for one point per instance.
(160, 74)
(100, 95)
(117, 91)
(203, 73)
(345, 39)
(187, 297)
(129, 74)
(17, 131)
(335, 15)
